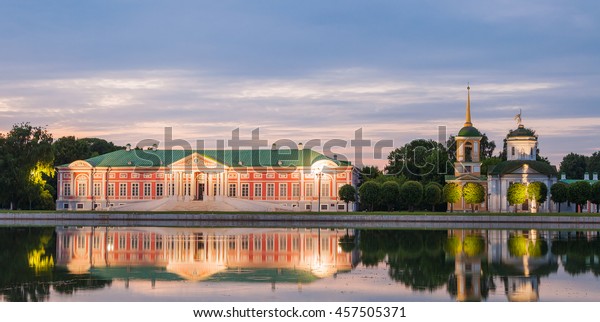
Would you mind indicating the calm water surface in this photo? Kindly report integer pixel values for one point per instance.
(275, 264)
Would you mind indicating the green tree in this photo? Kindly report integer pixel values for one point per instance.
(595, 195)
(537, 192)
(420, 160)
(579, 193)
(474, 193)
(487, 164)
(432, 194)
(574, 166)
(559, 193)
(452, 193)
(370, 172)
(411, 193)
(390, 193)
(25, 156)
(593, 163)
(370, 194)
(347, 194)
(516, 194)
(68, 149)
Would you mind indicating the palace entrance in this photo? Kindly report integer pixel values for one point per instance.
(200, 191)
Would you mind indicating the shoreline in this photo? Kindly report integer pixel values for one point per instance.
(332, 220)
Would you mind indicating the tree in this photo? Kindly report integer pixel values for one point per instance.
(595, 195)
(574, 166)
(474, 193)
(370, 194)
(432, 194)
(25, 155)
(537, 192)
(68, 149)
(593, 163)
(347, 194)
(559, 193)
(411, 193)
(487, 164)
(390, 192)
(579, 193)
(370, 172)
(516, 194)
(451, 194)
(420, 160)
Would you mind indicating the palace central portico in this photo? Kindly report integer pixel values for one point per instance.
(228, 180)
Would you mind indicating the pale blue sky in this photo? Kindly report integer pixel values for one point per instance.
(123, 70)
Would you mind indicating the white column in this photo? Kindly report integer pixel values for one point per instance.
(176, 179)
(193, 183)
(334, 189)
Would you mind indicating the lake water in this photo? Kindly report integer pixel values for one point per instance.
(296, 264)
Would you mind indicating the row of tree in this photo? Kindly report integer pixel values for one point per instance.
(28, 156)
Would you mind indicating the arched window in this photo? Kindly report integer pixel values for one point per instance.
(82, 182)
(469, 152)
(513, 151)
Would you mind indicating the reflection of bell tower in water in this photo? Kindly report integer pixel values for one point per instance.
(467, 167)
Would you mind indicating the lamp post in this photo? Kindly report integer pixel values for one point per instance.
(320, 175)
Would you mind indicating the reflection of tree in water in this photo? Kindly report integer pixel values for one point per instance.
(415, 258)
(27, 270)
(579, 253)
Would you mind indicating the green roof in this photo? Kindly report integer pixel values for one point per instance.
(263, 275)
(521, 131)
(232, 158)
(569, 181)
(469, 131)
(510, 166)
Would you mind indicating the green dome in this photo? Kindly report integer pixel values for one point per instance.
(469, 131)
(521, 131)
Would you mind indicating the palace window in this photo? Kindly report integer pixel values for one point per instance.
(257, 243)
(81, 189)
(308, 190)
(270, 189)
(67, 189)
(97, 188)
(159, 189)
(147, 189)
(257, 190)
(324, 189)
(295, 190)
(270, 243)
(283, 242)
(111, 189)
(232, 190)
(283, 191)
(146, 242)
(122, 242)
(171, 189)
(134, 241)
(135, 189)
(122, 189)
(159, 242)
(512, 150)
(245, 189)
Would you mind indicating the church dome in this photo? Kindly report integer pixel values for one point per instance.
(521, 131)
(469, 131)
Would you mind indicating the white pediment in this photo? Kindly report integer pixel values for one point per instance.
(525, 169)
(196, 160)
(79, 164)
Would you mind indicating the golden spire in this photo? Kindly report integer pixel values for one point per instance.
(468, 119)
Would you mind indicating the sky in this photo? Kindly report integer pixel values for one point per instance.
(303, 70)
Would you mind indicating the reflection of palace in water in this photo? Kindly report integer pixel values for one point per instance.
(518, 258)
(300, 255)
